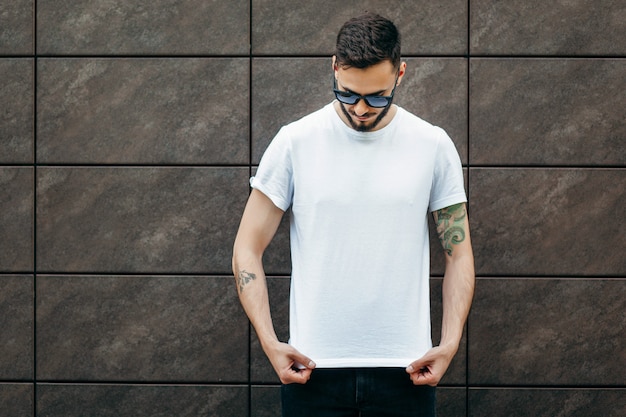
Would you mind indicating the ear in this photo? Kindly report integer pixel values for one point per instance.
(335, 68)
(401, 72)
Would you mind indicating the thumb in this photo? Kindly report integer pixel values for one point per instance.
(416, 365)
(301, 361)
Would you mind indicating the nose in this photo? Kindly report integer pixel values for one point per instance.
(361, 107)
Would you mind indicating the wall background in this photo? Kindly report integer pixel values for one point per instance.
(128, 130)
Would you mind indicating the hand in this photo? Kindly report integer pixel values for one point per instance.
(430, 368)
(290, 365)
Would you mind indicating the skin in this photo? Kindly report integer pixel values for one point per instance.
(377, 79)
(261, 218)
(457, 293)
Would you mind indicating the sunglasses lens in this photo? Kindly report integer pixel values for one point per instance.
(374, 101)
(346, 98)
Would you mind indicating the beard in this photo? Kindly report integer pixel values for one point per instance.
(362, 127)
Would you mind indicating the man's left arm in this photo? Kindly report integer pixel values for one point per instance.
(457, 293)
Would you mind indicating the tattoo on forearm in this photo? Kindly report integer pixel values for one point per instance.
(244, 279)
(451, 226)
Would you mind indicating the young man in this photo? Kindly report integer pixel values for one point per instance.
(360, 176)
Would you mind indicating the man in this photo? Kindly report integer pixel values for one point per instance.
(360, 176)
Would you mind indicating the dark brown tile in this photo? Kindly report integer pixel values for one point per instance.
(16, 222)
(56, 400)
(277, 256)
(265, 401)
(16, 27)
(547, 402)
(133, 27)
(547, 28)
(164, 220)
(435, 89)
(284, 90)
(181, 110)
(548, 332)
(16, 321)
(547, 111)
(451, 402)
(16, 400)
(426, 27)
(262, 371)
(16, 110)
(548, 221)
(182, 329)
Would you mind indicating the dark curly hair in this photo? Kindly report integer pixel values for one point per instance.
(367, 40)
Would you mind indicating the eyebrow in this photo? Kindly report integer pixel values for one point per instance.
(378, 93)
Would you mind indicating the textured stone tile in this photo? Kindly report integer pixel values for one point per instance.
(548, 221)
(99, 328)
(451, 402)
(548, 332)
(265, 401)
(456, 373)
(138, 219)
(137, 27)
(435, 89)
(284, 90)
(426, 27)
(547, 402)
(16, 110)
(182, 110)
(56, 400)
(547, 111)
(16, 222)
(261, 370)
(16, 27)
(16, 322)
(16, 400)
(576, 27)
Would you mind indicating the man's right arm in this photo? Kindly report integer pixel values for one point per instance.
(258, 225)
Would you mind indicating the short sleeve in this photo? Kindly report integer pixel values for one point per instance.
(448, 187)
(274, 177)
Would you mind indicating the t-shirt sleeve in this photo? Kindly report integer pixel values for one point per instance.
(448, 186)
(274, 177)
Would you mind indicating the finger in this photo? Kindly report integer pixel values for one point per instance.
(301, 361)
(294, 376)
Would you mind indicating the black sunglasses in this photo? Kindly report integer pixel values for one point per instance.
(349, 98)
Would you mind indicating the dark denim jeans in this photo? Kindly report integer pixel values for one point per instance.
(358, 392)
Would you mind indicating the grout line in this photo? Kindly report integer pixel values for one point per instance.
(34, 156)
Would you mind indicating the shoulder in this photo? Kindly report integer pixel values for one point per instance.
(408, 120)
(418, 128)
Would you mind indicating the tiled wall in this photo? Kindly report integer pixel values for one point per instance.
(129, 128)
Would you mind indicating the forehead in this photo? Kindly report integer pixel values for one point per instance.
(370, 80)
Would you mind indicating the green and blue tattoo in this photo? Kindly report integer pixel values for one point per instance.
(451, 226)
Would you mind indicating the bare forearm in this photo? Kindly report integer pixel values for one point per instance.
(253, 295)
(458, 284)
(457, 294)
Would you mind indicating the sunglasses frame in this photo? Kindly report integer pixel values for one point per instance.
(341, 95)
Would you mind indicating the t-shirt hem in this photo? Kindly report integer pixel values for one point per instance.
(364, 363)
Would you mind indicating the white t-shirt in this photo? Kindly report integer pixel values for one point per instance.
(359, 233)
